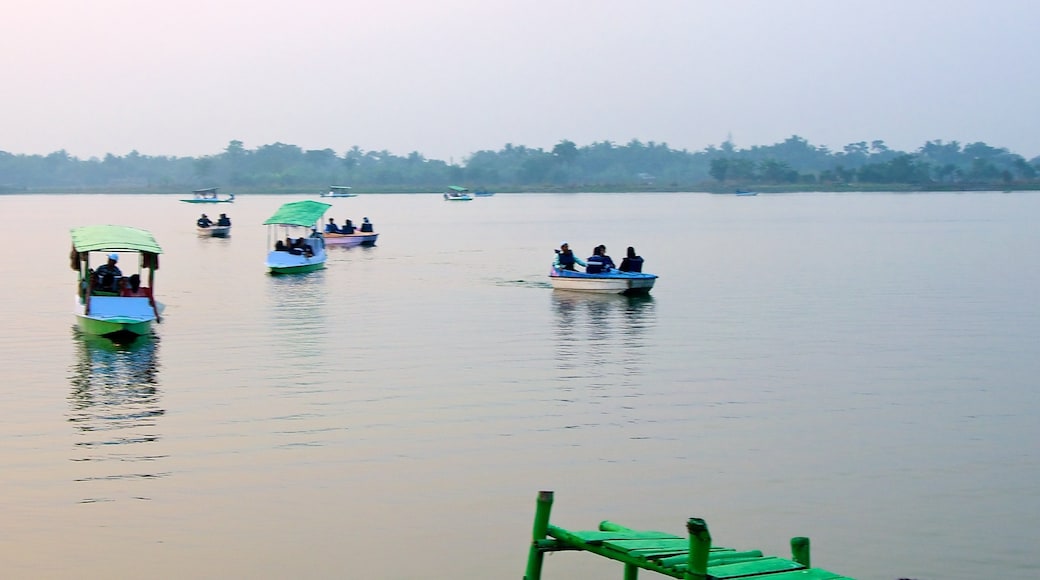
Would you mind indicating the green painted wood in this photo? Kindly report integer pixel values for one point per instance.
(800, 551)
(700, 545)
(691, 558)
(716, 557)
(535, 556)
(767, 565)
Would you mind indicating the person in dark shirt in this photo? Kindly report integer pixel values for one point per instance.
(366, 226)
(331, 227)
(608, 263)
(348, 227)
(595, 263)
(223, 220)
(631, 262)
(108, 275)
(204, 221)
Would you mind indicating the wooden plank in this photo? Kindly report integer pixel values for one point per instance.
(767, 565)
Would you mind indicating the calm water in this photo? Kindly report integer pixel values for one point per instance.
(861, 369)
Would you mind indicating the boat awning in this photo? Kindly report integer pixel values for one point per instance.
(298, 213)
(457, 189)
(113, 238)
(339, 187)
(207, 190)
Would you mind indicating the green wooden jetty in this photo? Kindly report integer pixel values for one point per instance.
(689, 558)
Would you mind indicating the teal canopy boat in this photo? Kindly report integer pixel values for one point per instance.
(297, 245)
(456, 193)
(109, 302)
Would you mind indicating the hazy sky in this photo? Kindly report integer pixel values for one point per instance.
(451, 77)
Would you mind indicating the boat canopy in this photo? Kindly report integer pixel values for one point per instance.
(298, 213)
(206, 190)
(113, 238)
(457, 189)
(344, 187)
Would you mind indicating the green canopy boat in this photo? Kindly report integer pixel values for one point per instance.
(293, 233)
(110, 302)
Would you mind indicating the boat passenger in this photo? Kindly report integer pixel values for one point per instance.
(631, 262)
(348, 227)
(331, 227)
(204, 221)
(224, 220)
(565, 258)
(596, 264)
(132, 287)
(366, 226)
(280, 246)
(608, 263)
(108, 275)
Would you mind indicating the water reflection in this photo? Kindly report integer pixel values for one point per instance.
(115, 407)
(602, 329)
(297, 305)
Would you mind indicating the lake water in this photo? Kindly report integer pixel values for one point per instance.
(857, 368)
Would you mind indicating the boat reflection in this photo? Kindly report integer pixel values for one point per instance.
(297, 313)
(602, 329)
(115, 406)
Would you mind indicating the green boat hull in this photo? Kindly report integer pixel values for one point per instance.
(110, 327)
(302, 269)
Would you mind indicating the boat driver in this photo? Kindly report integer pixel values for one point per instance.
(108, 274)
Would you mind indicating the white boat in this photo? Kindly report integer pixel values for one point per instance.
(357, 238)
(219, 229)
(293, 234)
(209, 195)
(456, 193)
(214, 231)
(338, 191)
(612, 282)
(745, 192)
(105, 305)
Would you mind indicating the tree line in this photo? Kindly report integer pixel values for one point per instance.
(794, 163)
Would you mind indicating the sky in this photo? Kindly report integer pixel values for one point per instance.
(448, 78)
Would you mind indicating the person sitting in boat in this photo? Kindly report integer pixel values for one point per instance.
(204, 221)
(608, 263)
(224, 220)
(331, 227)
(348, 227)
(595, 263)
(108, 275)
(280, 246)
(132, 287)
(631, 262)
(565, 258)
(366, 226)
(301, 247)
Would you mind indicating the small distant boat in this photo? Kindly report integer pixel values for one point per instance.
(611, 282)
(293, 233)
(214, 231)
(103, 307)
(746, 192)
(338, 191)
(456, 193)
(219, 229)
(209, 195)
(483, 193)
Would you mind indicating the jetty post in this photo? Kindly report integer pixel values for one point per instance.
(800, 550)
(700, 545)
(541, 527)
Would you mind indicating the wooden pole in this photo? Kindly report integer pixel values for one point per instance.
(800, 551)
(541, 525)
(700, 545)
